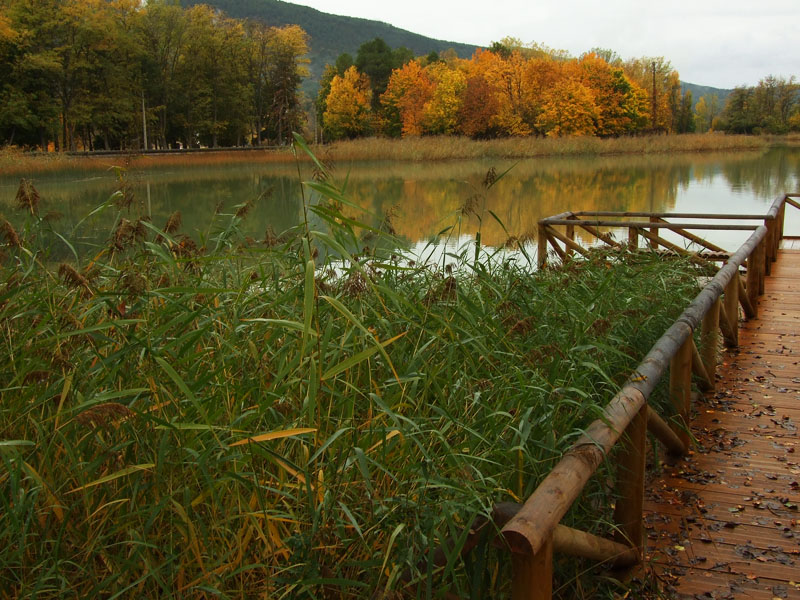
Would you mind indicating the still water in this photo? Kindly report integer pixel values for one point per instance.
(423, 200)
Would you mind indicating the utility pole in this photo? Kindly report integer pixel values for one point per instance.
(655, 106)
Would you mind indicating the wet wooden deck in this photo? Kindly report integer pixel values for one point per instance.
(724, 521)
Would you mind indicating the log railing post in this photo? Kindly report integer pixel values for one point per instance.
(630, 484)
(532, 574)
(653, 231)
(755, 276)
(730, 302)
(769, 246)
(709, 341)
(541, 257)
(571, 237)
(680, 388)
(744, 300)
(633, 238)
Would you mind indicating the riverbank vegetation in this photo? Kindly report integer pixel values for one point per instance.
(771, 107)
(309, 415)
(510, 90)
(127, 75)
(427, 148)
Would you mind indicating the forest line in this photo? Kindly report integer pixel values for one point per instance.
(126, 75)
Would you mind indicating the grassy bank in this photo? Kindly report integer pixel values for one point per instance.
(450, 147)
(408, 149)
(303, 417)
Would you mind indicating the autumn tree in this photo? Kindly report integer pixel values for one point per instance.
(441, 111)
(620, 104)
(285, 69)
(506, 77)
(343, 62)
(568, 108)
(409, 89)
(685, 121)
(348, 111)
(478, 107)
(706, 110)
(661, 84)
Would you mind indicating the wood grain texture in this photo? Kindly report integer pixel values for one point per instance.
(723, 522)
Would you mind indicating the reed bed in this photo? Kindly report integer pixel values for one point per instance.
(15, 162)
(429, 148)
(448, 147)
(307, 416)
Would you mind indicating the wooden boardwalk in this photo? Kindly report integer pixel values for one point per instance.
(723, 522)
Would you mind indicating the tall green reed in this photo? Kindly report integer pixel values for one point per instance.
(306, 416)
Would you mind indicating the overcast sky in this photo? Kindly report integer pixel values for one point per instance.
(720, 43)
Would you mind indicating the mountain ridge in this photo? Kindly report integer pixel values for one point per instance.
(332, 35)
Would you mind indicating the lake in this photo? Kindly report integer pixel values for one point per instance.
(424, 200)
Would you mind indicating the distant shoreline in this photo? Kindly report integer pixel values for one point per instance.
(419, 149)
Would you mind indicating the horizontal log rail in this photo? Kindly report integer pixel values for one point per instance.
(531, 534)
(651, 224)
(532, 531)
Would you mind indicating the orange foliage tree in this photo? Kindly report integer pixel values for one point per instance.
(478, 107)
(410, 88)
(515, 90)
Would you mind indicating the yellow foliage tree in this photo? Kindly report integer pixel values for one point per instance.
(348, 111)
(568, 108)
(507, 78)
(441, 112)
(6, 31)
(621, 105)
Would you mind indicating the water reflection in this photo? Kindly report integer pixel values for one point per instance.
(426, 199)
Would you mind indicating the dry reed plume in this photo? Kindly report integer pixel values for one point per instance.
(27, 197)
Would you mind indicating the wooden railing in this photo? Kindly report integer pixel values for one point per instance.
(532, 532)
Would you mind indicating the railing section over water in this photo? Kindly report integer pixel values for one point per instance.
(532, 532)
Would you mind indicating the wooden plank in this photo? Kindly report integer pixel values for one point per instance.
(724, 520)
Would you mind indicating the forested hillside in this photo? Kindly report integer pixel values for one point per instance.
(331, 35)
(698, 91)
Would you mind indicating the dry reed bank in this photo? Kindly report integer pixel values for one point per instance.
(13, 162)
